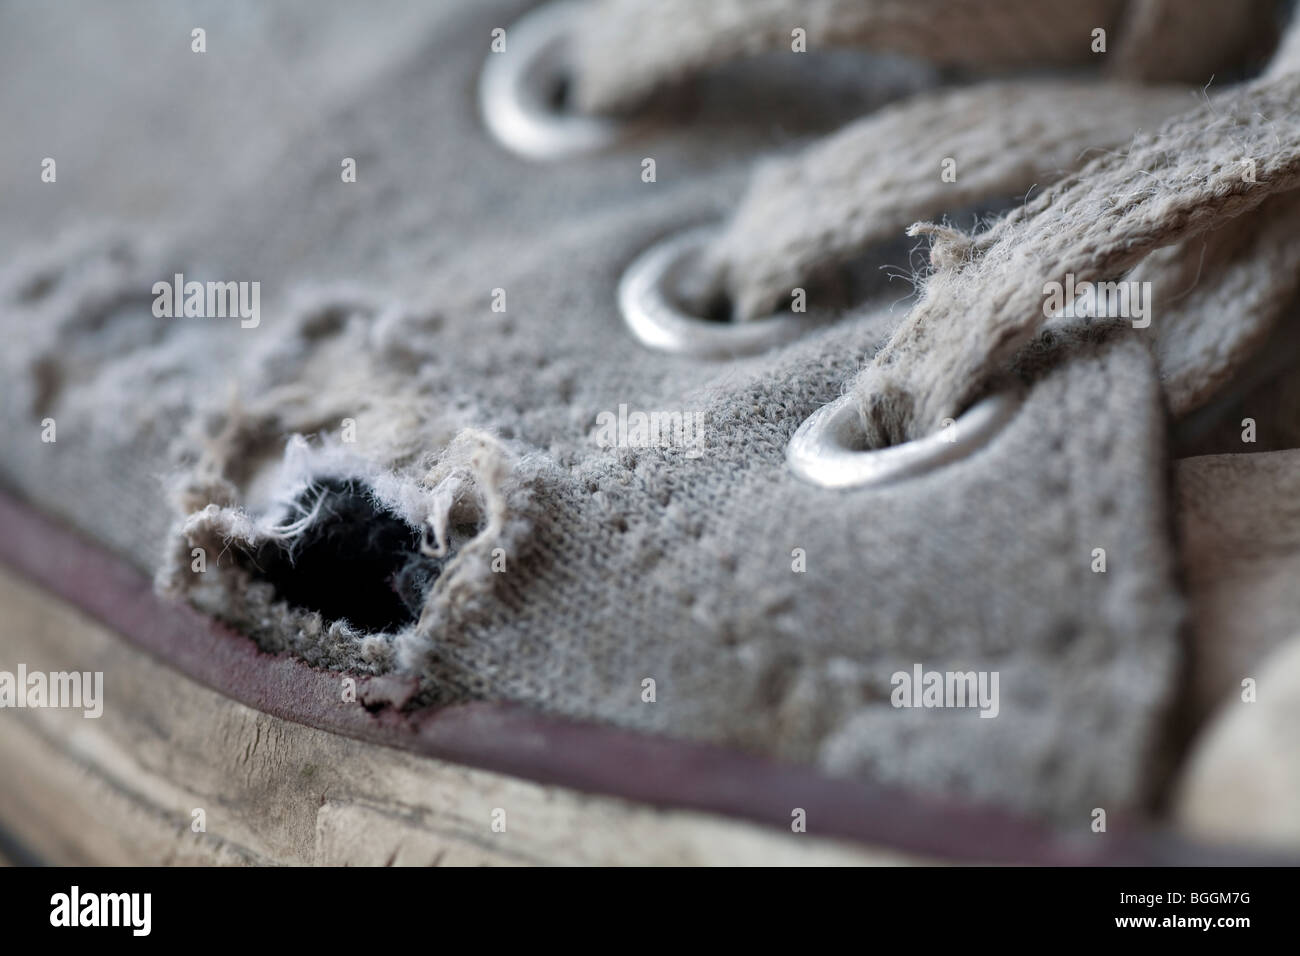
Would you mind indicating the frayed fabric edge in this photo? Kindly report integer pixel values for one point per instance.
(475, 479)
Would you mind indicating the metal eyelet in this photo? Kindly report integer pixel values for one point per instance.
(822, 450)
(518, 88)
(648, 301)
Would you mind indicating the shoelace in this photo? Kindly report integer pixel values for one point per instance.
(984, 300)
(1164, 208)
(626, 49)
(873, 179)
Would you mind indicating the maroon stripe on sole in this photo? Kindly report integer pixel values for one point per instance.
(515, 740)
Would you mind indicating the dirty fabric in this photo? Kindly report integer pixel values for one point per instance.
(398, 467)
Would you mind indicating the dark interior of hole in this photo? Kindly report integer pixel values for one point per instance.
(718, 308)
(356, 561)
(558, 92)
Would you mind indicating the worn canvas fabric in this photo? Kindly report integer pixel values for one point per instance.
(438, 350)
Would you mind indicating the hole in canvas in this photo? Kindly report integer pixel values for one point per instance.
(356, 561)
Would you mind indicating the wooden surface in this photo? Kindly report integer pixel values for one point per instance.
(121, 789)
(517, 743)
